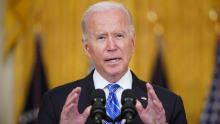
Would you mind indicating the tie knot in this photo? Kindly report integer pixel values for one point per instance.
(112, 87)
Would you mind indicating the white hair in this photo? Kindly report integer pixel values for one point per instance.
(102, 6)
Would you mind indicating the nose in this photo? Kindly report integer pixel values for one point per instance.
(111, 44)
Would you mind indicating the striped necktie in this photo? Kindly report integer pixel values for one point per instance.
(112, 104)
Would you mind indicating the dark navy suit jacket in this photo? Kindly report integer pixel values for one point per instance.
(53, 101)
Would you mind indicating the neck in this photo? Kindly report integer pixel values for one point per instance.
(113, 78)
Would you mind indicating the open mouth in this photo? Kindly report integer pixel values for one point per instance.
(112, 60)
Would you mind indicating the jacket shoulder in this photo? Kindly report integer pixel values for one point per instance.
(68, 87)
(173, 105)
(164, 92)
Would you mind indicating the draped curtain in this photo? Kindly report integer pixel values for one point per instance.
(187, 29)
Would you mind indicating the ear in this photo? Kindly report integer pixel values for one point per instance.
(133, 42)
(86, 48)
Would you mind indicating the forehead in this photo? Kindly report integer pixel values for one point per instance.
(108, 19)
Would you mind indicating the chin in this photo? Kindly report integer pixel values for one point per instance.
(115, 71)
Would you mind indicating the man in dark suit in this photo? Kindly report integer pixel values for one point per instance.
(109, 41)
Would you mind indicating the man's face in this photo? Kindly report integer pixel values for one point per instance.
(109, 43)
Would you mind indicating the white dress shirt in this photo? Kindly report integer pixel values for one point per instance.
(125, 83)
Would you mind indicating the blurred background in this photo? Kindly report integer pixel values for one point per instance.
(176, 47)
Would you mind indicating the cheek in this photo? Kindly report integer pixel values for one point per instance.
(96, 53)
(129, 52)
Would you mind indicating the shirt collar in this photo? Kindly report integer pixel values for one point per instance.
(125, 82)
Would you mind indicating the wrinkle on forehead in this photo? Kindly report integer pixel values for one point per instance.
(108, 19)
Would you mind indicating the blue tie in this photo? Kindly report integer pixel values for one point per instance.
(112, 104)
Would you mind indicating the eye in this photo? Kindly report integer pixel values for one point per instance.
(119, 35)
(101, 37)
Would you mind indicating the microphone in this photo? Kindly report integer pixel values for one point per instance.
(98, 106)
(128, 101)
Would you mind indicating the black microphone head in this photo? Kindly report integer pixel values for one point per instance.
(98, 94)
(98, 106)
(128, 95)
(128, 101)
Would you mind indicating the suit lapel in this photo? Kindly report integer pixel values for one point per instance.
(88, 87)
(140, 90)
